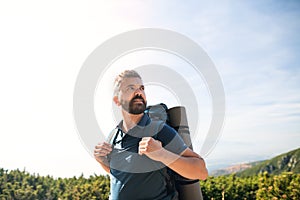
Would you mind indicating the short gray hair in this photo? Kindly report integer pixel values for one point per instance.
(122, 76)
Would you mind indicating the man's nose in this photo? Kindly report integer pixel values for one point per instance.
(138, 91)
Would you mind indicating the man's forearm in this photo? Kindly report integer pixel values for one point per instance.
(103, 162)
(191, 167)
(102, 149)
(189, 164)
(105, 167)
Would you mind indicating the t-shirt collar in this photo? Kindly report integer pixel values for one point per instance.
(145, 120)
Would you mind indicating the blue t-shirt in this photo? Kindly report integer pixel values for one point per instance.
(136, 177)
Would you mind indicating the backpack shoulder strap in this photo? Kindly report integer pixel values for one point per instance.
(153, 128)
(112, 135)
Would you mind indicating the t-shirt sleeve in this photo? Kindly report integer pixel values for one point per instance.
(171, 140)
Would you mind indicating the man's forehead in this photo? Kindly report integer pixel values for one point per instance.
(131, 81)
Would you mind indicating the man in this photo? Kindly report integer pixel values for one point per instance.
(137, 158)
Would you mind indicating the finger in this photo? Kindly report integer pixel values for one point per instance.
(145, 141)
(146, 138)
(100, 155)
(142, 143)
(107, 144)
(143, 148)
(141, 151)
(104, 146)
(101, 152)
(107, 148)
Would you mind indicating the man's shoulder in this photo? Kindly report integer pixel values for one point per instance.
(166, 128)
(161, 127)
(166, 133)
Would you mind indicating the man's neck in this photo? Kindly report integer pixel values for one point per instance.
(130, 120)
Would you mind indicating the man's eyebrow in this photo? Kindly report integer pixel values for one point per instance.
(135, 85)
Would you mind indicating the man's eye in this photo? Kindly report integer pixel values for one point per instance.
(131, 88)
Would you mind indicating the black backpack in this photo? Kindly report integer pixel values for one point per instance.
(186, 189)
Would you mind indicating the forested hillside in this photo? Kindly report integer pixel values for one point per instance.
(277, 178)
(18, 184)
(263, 186)
(287, 162)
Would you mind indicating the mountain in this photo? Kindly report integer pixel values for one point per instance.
(287, 162)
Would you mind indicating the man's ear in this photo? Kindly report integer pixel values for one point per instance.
(116, 100)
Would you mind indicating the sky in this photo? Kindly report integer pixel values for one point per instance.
(43, 44)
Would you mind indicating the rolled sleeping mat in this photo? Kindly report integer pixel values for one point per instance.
(178, 120)
(188, 189)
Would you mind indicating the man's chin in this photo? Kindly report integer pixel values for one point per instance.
(137, 111)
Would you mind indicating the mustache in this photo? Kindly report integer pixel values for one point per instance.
(138, 97)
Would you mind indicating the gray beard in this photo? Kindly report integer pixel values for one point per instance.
(132, 108)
